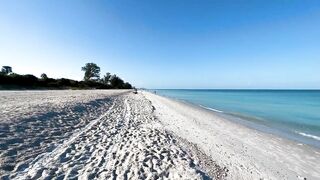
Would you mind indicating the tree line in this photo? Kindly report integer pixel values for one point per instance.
(91, 80)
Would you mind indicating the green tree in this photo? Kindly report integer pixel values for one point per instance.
(91, 72)
(116, 82)
(127, 86)
(6, 69)
(44, 76)
(106, 78)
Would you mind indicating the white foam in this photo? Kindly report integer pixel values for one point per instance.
(309, 135)
(215, 110)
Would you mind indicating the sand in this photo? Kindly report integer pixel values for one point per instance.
(89, 135)
(246, 153)
(116, 134)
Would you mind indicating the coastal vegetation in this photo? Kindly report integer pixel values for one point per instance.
(91, 80)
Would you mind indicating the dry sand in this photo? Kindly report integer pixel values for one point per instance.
(89, 135)
(246, 153)
(113, 134)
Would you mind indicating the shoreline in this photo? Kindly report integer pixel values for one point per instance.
(111, 134)
(296, 136)
(255, 123)
(243, 122)
(248, 153)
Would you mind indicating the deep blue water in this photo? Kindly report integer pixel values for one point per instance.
(294, 114)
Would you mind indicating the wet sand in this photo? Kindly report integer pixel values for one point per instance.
(116, 134)
(245, 152)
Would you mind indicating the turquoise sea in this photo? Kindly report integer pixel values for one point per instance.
(293, 114)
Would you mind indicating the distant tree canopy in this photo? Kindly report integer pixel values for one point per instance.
(9, 80)
(44, 76)
(111, 81)
(91, 72)
(106, 78)
(6, 70)
(115, 82)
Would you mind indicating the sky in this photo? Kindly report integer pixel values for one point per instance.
(167, 43)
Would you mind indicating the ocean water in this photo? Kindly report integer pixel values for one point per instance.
(293, 114)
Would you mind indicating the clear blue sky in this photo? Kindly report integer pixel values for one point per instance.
(167, 43)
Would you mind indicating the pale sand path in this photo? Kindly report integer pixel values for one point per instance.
(247, 153)
(89, 135)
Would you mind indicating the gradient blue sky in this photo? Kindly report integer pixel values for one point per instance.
(167, 43)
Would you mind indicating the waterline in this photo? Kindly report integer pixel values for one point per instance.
(293, 114)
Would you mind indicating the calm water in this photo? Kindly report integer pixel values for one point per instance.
(294, 114)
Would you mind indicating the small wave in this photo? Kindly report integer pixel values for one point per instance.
(308, 135)
(215, 110)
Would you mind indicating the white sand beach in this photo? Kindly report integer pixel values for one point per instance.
(246, 153)
(116, 134)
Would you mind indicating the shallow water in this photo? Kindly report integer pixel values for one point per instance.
(294, 114)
